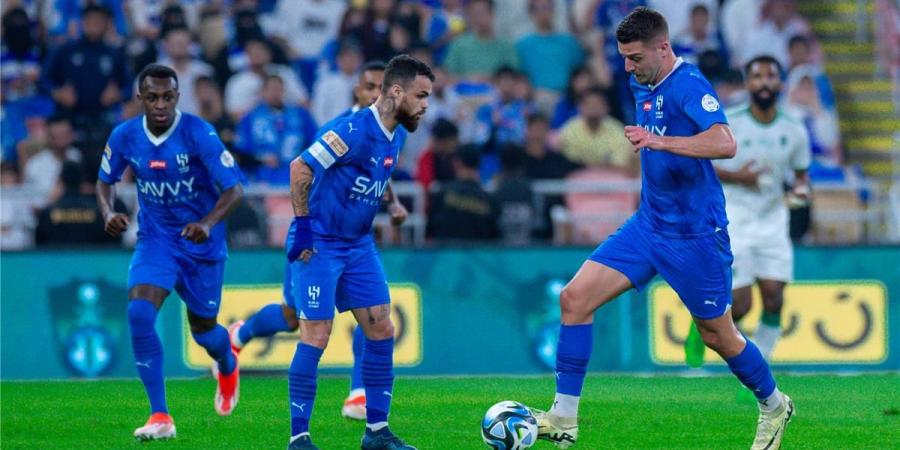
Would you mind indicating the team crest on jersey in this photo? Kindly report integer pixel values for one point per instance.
(337, 145)
(158, 164)
(226, 159)
(388, 161)
(709, 103)
(647, 106)
(182, 159)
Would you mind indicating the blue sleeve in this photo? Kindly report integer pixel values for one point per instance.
(700, 104)
(339, 144)
(113, 162)
(215, 157)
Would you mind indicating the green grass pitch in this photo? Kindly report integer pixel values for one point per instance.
(834, 412)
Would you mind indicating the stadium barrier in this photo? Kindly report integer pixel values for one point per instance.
(458, 310)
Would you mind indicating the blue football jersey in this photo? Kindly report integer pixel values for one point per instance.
(330, 124)
(680, 196)
(179, 175)
(352, 161)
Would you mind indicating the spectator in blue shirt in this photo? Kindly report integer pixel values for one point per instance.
(275, 133)
(536, 49)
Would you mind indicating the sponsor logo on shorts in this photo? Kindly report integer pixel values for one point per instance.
(337, 145)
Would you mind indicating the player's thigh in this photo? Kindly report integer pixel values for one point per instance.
(363, 283)
(623, 254)
(200, 285)
(152, 273)
(313, 284)
(594, 285)
(699, 270)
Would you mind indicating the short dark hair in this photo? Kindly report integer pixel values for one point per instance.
(376, 66)
(58, 118)
(270, 77)
(593, 91)
(469, 155)
(764, 59)
(506, 71)
(798, 39)
(94, 8)
(490, 3)
(643, 24)
(157, 71)
(537, 117)
(71, 175)
(402, 69)
(444, 129)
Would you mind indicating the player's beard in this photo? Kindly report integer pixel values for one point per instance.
(409, 121)
(765, 102)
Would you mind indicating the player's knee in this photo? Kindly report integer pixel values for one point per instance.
(712, 339)
(201, 325)
(382, 329)
(290, 316)
(571, 303)
(316, 333)
(141, 314)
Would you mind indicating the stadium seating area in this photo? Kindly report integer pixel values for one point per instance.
(534, 90)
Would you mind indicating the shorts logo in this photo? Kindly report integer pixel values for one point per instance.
(709, 103)
(337, 145)
(157, 164)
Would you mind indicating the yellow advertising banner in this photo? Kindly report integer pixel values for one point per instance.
(276, 352)
(830, 322)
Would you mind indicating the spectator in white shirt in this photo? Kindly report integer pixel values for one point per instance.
(242, 92)
(177, 44)
(334, 91)
(41, 171)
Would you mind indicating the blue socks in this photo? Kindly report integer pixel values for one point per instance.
(378, 378)
(268, 321)
(218, 347)
(572, 355)
(302, 384)
(148, 352)
(751, 368)
(359, 340)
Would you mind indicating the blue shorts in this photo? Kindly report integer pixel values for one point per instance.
(342, 274)
(698, 268)
(198, 282)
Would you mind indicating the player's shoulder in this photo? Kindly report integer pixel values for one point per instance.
(195, 123)
(126, 131)
(688, 76)
(346, 132)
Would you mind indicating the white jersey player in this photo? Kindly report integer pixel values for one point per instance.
(770, 147)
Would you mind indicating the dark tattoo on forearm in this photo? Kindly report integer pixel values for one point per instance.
(301, 181)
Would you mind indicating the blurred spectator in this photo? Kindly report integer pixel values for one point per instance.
(738, 19)
(373, 34)
(74, 218)
(436, 162)
(41, 171)
(351, 26)
(594, 139)
(801, 59)
(730, 88)
(20, 56)
(580, 80)
(771, 37)
(212, 37)
(144, 47)
(536, 49)
(333, 93)
(16, 220)
(211, 108)
(60, 19)
(305, 27)
(178, 56)
(89, 80)
(698, 38)
(539, 161)
(678, 13)
(606, 16)
(243, 89)
(514, 23)
(462, 209)
(233, 58)
(821, 123)
(502, 121)
(444, 21)
(478, 53)
(514, 197)
(245, 229)
(275, 133)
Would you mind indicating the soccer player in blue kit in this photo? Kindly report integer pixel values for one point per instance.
(337, 186)
(679, 232)
(276, 318)
(187, 182)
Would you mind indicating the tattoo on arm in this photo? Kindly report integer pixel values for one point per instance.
(301, 181)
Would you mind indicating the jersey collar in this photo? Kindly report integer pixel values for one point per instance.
(678, 62)
(158, 140)
(388, 134)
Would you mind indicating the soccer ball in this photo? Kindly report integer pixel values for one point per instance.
(509, 425)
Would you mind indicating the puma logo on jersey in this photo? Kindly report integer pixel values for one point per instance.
(350, 126)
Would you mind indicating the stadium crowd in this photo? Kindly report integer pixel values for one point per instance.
(525, 90)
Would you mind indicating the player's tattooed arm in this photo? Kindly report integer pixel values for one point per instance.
(114, 223)
(301, 182)
(198, 232)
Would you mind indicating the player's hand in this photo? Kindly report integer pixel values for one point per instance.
(196, 232)
(398, 213)
(115, 224)
(302, 246)
(641, 138)
(747, 176)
